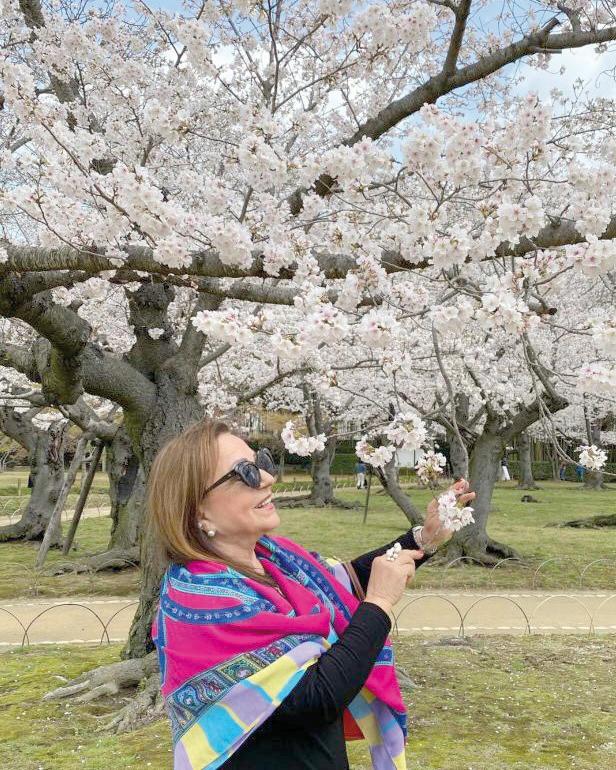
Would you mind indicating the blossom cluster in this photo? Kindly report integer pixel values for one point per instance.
(405, 431)
(605, 336)
(224, 325)
(301, 445)
(594, 257)
(452, 318)
(596, 378)
(377, 456)
(592, 457)
(430, 467)
(384, 27)
(453, 516)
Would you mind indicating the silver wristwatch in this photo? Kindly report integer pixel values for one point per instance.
(429, 550)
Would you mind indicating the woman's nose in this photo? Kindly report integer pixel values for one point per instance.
(267, 479)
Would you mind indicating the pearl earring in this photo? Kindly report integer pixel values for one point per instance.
(210, 532)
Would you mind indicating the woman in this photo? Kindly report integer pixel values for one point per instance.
(270, 655)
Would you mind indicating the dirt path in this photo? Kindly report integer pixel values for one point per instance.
(92, 619)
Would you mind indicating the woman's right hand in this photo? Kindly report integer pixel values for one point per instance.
(388, 579)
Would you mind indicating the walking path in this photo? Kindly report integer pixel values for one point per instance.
(100, 511)
(108, 618)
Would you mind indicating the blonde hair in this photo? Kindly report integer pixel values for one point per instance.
(179, 476)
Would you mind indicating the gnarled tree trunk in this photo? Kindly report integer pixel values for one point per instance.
(473, 541)
(526, 480)
(47, 468)
(127, 493)
(173, 412)
(127, 498)
(458, 457)
(322, 492)
(593, 479)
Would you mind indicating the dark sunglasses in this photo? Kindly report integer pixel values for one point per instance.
(249, 472)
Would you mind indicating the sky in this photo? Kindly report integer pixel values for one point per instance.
(597, 71)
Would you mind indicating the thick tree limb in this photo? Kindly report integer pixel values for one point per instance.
(19, 358)
(268, 294)
(442, 84)
(449, 79)
(560, 232)
(193, 340)
(18, 426)
(102, 374)
(57, 511)
(87, 419)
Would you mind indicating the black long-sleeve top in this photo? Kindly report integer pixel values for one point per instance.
(306, 730)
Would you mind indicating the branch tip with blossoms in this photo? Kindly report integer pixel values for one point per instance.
(592, 457)
(430, 467)
(301, 445)
(453, 516)
(405, 431)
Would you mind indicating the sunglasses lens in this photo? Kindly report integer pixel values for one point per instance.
(250, 475)
(266, 461)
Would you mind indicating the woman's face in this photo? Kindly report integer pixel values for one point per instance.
(233, 508)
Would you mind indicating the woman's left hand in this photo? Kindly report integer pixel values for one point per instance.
(433, 531)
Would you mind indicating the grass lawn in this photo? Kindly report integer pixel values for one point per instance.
(341, 533)
(500, 704)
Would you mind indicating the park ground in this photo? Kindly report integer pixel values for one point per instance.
(503, 703)
(562, 555)
(498, 703)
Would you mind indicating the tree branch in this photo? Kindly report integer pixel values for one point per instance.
(449, 79)
(63, 356)
(191, 346)
(560, 232)
(86, 418)
(462, 12)
(270, 384)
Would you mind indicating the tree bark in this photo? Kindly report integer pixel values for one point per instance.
(555, 460)
(174, 411)
(127, 496)
(322, 492)
(457, 456)
(473, 541)
(459, 453)
(47, 469)
(389, 481)
(593, 479)
(127, 493)
(526, 480)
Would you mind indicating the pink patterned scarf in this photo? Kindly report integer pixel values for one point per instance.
(231, 649)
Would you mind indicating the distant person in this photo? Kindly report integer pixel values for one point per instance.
(505, 470)
(561, 471)
(360, 471)
(579, 472)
